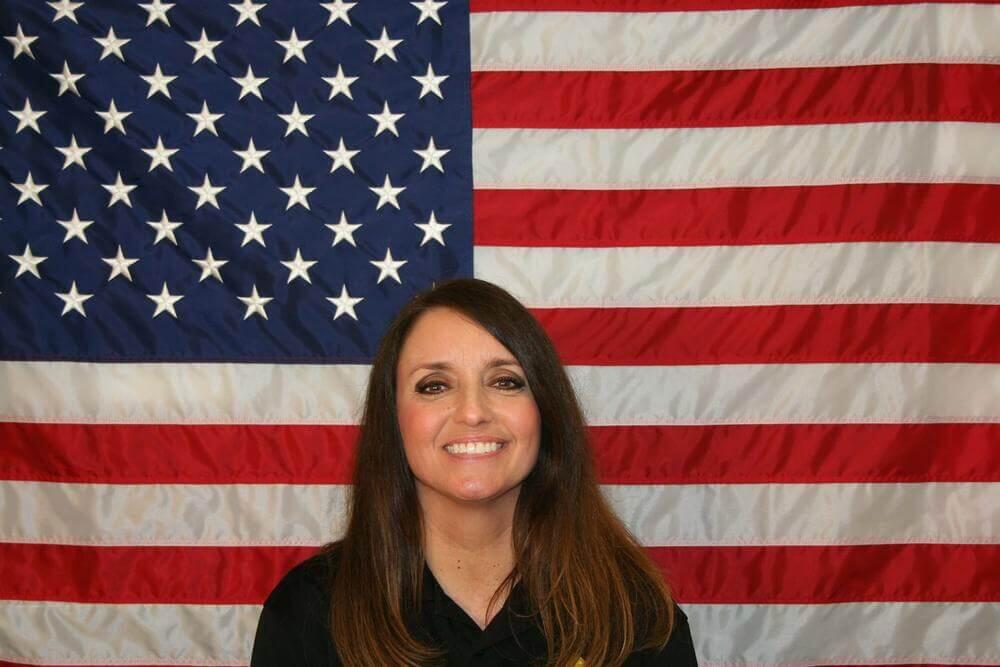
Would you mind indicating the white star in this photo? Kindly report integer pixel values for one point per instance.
(251, 157)
(27, 263)
(252, 231)
(73, 300)
(160, 155)
(338, 10)
(157, 12)
(119, 191)
(158, 82)
(204, 47)
(206, 193)
(343, 231)
(297, 194)
(74, 153)
(388, 267)
(255, 303)
(345, 303)
(298, 267)
(27, 117)
(342, 157)
(165, 301)
(430, 82)
(387, 194)
(21, 43)
(65, 9)
(432, 229)
(119, 265)
(29, 190)
(250, 84)
(111, 44)
(113, 118)
(67, 80)
(75, 227)
(205, 119)
(432, 156)
(294, 47)
(386, 120)
(248, 11)
(429, 10)
(164, 229)
(340, 84)
(210, 266)
(384, 46)
(296, 121)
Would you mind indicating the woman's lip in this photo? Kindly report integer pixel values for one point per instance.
(473, 441)
(476, 455)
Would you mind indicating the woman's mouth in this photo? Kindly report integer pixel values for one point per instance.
(483, 448)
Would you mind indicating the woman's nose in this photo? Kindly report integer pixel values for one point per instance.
(473, 407)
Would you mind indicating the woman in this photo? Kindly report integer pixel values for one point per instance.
(477, 532)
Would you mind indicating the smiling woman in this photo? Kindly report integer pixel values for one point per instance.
(477, 534)
(468, 420)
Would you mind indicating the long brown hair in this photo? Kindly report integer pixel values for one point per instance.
(596, 593)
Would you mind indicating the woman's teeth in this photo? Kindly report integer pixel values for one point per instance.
(473, 447)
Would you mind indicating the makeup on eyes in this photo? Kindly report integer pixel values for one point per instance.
(513, 382)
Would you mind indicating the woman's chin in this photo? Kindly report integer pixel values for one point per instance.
(476, 491)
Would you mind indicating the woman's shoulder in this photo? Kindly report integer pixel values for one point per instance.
(678, 652)
(294, 625)
(310, 578)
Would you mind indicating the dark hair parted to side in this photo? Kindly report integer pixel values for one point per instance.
(585, 574)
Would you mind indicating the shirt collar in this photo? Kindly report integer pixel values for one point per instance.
(514, 617)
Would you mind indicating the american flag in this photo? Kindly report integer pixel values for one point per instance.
(762, 234)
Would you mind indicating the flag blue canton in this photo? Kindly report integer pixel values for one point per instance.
(289, 291)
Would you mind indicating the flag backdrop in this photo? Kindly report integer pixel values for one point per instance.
(763, 235)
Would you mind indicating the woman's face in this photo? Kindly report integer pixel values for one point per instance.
(469, 422)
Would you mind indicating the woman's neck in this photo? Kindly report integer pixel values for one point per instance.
(468, 543)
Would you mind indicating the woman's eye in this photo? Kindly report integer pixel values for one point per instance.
(509, 383)
(431, 387)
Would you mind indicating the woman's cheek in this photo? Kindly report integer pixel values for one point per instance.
(419, 424)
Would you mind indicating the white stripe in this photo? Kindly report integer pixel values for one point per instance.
(66, 633)
(704, 157)
(611, 395)
(911, 33)
(720, 514)
(846, 634)
(808, 514)
(171, 514)
(789, 393)
(745, 275)
(790, 635)
(181, 393)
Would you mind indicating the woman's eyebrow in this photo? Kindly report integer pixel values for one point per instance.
(495, 362)
(432, 366)
(502, 361)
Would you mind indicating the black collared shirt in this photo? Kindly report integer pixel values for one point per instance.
(294, 628)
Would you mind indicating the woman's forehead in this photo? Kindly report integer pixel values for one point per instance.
(443, 337)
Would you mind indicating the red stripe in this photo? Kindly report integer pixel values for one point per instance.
(123, 575)
(759, 453)
(830, 574)
(679, 5)
(245, 575)
(714, 98)
(8, 663)
(859, 333)
(176, 454)
(797, 453)
(737, 216)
